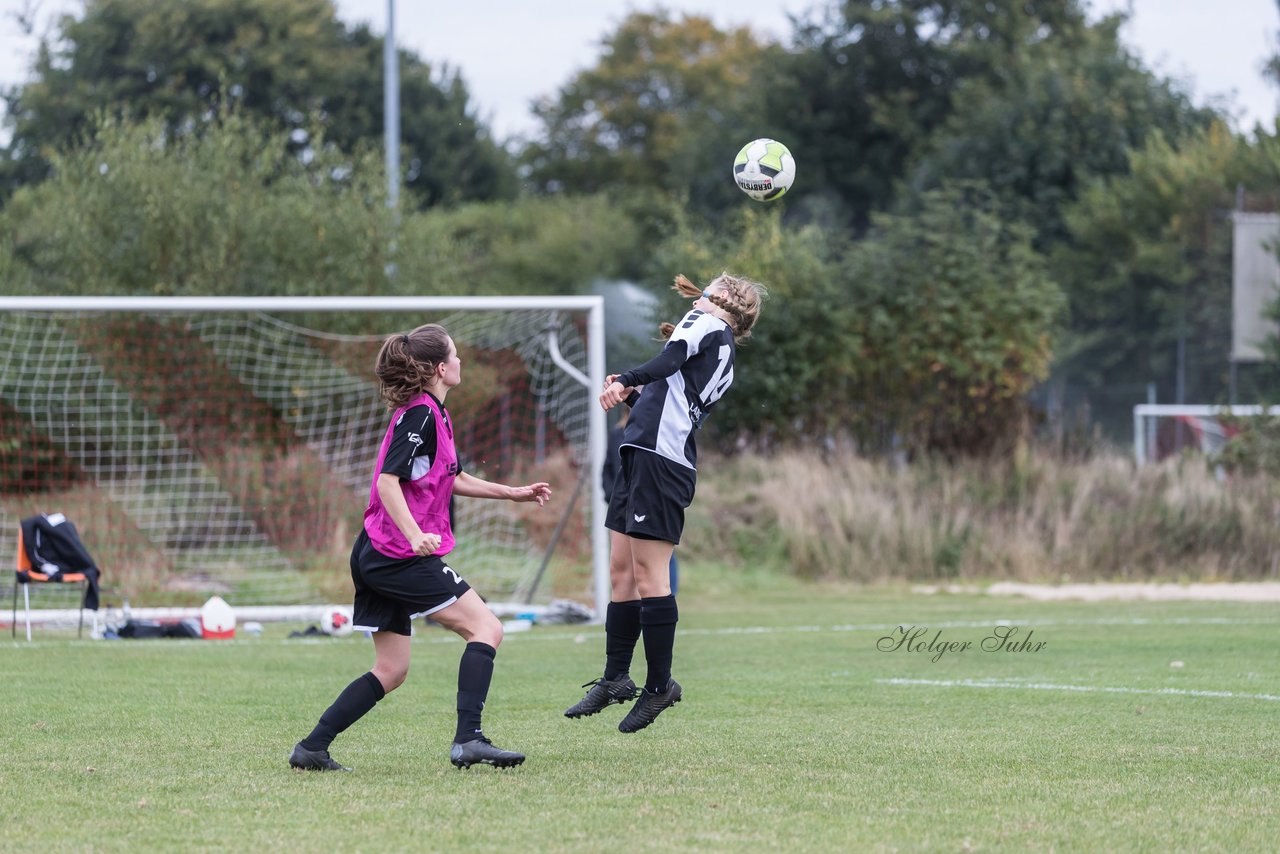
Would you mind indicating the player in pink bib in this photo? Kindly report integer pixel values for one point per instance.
(430, 485)
(397, 563)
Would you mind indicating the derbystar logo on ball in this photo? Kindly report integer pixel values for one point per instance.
(764, 169)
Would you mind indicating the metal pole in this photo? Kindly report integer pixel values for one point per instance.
(598, 444)
(1139, 450)
(1150, 438)
(391, 107)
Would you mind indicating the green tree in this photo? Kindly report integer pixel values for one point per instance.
(1271, 71)
(289, 61)
(663, 109)
(1149, 265)
(866, 84)
(1059, 113)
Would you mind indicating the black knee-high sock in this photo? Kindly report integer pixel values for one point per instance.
(621, 631)
(475, 672)
(352, 704)
(658, 617)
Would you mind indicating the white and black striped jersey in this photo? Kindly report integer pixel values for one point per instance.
(681, 384)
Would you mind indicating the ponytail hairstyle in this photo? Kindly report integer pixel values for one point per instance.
(406, 364)
(740, 298)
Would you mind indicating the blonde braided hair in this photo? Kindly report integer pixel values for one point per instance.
(740, 298)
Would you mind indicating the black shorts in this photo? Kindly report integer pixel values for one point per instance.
(391, 592)
(650, 496)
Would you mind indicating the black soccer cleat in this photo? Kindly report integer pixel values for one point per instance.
(603, 693)
(482, 752)
(313, 760)
(649, 706)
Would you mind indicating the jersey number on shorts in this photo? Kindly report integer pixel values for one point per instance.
(449, 571)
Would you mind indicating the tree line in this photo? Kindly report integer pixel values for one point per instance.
(993, 194)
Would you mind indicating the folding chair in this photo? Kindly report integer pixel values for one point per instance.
(52, 544)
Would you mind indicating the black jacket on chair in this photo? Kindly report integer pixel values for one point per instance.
(53, 545)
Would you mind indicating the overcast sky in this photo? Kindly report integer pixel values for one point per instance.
(513, 51)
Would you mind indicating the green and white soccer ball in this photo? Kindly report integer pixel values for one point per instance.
(764, 169)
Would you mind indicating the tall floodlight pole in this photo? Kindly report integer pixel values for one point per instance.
(391, 107)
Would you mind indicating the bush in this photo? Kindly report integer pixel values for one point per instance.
(233, 211)
(955, 313)
(1255, 447)
(227, 212)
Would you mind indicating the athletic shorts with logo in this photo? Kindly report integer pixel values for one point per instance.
(650, 496)
(391, 592)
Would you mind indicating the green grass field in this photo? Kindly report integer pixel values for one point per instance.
(796, 734)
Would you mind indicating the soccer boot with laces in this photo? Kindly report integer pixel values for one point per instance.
(649, 706)
(313, 760)
(481, 751)
(603, 693)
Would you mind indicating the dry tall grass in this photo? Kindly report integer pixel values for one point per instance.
(1032, 517)
(1029, 517)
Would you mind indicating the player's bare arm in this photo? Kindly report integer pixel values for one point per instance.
(470, 486)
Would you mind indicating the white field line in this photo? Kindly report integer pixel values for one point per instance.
(586, 631)
(1083, 689)
(1227, 591)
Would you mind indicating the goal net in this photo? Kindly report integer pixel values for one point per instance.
(1164, 430)
(226, 445)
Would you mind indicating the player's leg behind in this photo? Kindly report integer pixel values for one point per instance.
(621, 631)
(391, 666)
(472, 620)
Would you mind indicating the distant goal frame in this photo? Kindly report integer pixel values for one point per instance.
(1142, 439)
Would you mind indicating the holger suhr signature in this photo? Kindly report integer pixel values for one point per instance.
(917, 639)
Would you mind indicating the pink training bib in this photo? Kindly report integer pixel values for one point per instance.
(427, 496)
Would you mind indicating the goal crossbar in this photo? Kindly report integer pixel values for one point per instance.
(362, 304)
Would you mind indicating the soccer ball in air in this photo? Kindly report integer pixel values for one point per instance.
(764, 169)
(336, 621)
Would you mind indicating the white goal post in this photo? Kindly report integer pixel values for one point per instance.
(1160, 429)
(83, 390)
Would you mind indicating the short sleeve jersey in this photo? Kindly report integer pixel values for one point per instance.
(413, 443)
(670, 410)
